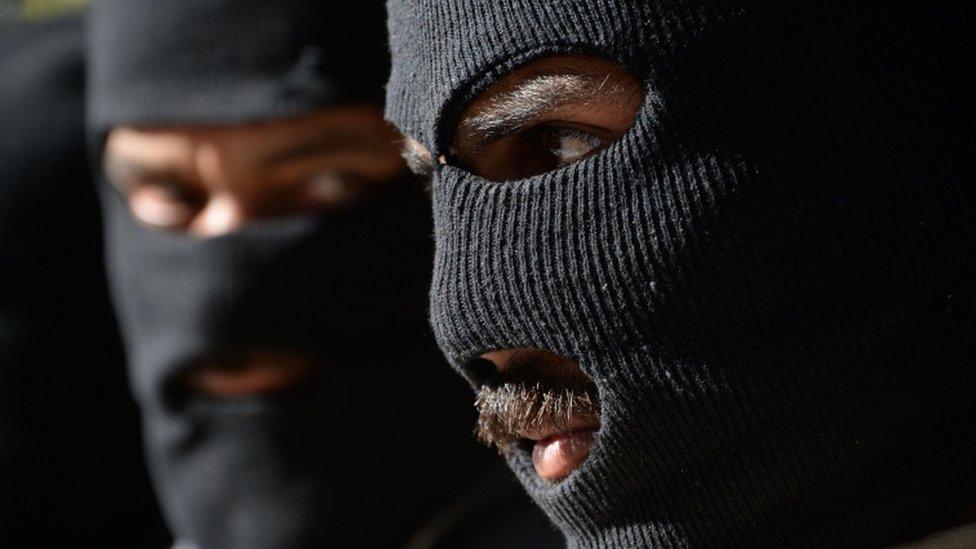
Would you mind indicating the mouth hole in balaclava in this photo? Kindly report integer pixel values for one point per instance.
(548, 114)
(537, 403)
(250, 373)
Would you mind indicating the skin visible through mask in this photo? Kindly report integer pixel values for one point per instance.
(211, 180)
(551, 113)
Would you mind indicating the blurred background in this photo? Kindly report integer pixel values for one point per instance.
(38, 9)
(71, 467)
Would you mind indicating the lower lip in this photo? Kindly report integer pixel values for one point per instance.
(554, 458)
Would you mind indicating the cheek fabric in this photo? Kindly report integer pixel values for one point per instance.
(360, 437)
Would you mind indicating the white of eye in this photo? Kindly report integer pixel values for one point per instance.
(157, 207)
(572, 145)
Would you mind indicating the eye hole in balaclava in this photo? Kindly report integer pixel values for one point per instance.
(236, 374)
(550, 113)
(211, 180)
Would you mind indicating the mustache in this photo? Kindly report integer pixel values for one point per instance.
(527, 398)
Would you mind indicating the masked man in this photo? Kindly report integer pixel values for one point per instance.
(709, 265)
(270, 264)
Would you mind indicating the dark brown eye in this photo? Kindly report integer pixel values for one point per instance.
(565, 145)
(335, 191)
(545, 115)
(163, 205)
(534, 151)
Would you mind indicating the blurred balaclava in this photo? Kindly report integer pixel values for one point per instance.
(68, 427)
(348, 457)
(769, 277)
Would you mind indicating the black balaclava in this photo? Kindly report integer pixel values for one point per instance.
(71, 469)
(357, 455)
(769, 277)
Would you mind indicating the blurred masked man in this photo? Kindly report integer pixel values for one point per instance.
(710, 265)
(71, 470)
(270, 266)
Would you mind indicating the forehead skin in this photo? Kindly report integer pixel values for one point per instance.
(547, 84)
(561, 84)
(356, 129)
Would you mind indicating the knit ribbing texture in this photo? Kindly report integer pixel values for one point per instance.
(226, 61)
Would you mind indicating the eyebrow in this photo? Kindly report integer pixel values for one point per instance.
(533, 97)
(418, 158)
(327, 141)
(123, 173)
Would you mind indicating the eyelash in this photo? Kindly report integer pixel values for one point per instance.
(537, 149)
(175, 193)
(552, 137)
(592, 141)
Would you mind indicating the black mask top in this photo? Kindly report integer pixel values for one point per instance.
(231, 60)
(71, 467)
(769, 277)
(356, 455)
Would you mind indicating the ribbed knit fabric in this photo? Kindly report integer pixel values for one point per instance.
(770, 277)
(251, 59)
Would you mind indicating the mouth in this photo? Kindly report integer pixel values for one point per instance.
(557, 454)
(541, 404)
(248, 373)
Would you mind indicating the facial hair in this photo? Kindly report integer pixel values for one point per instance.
(525, 399)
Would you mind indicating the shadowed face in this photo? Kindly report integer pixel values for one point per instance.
(211, 180)
(208, 181)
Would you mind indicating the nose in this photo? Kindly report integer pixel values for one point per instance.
(223, 213)
(229, 182)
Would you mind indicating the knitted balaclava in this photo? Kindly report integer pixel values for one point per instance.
(67, 424)
(349, 458)
(769, 277)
